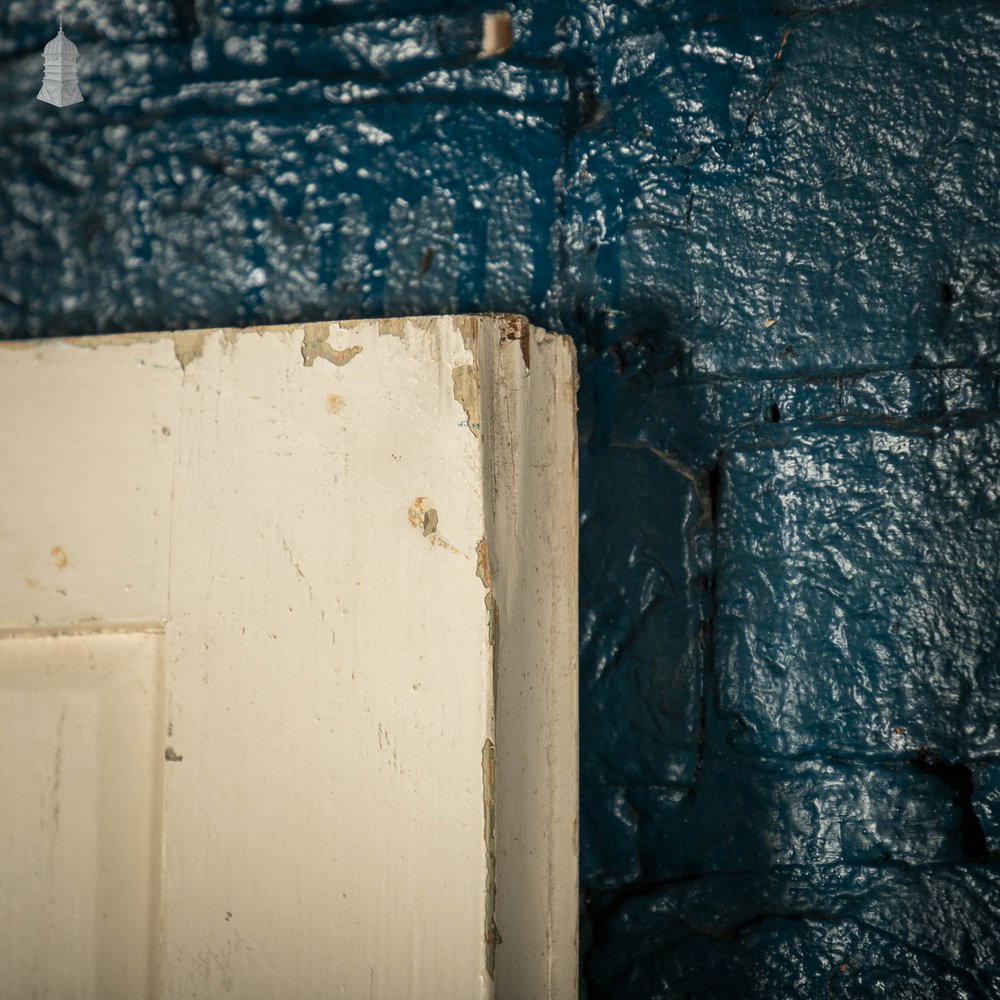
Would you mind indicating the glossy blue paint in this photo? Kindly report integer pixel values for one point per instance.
(772, 230)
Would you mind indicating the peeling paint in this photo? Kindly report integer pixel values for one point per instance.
(493, 634)
(426, 519)
(491, 935)
(468, 327)
(188, 345)
(430, 522)
(492, 611)
(415, 513)
(517, 328)
(466, 382)
(483, 563)
(314, 345)
(260, 366)
(392, 328)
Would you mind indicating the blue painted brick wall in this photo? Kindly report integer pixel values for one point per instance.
(771, 227)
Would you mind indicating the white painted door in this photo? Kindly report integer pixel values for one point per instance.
(274, 718)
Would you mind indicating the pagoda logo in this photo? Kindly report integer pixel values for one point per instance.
(60, 85)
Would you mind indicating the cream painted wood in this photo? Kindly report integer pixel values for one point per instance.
(304, 600)
(80, 727)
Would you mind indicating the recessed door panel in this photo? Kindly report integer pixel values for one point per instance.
(79, 814)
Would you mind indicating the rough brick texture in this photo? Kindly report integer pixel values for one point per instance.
(772, 228)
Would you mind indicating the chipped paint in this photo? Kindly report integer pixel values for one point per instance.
(314, 345)
(392, 328)
(415, 512)
(493, 634)
(466, 383)
(188, 345)
(426, 519)
(518, 874)
(517, 328)
(430, 522)
(483, 562)
(534, 698)
(468, 327)
(491, 935)
(492, 612)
